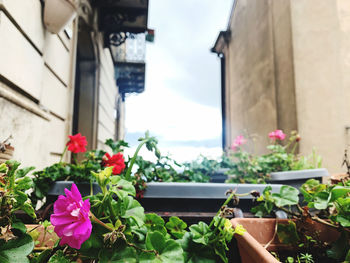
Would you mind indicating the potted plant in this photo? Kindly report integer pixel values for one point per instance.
(281, 165)
(159, 186)
(58, 13)
(110, 226)
(214, 169)
(51, 181)
(317, 232)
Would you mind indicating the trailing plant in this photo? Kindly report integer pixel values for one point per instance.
(256, 169)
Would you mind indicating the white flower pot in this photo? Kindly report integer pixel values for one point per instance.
(58, 13)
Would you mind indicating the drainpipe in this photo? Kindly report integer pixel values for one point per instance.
(223, 100)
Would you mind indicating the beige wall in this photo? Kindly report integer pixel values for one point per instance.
(108, 92)
(37, 74)
(251, 96)
(321, 38)
(287, 67)
(35, 84)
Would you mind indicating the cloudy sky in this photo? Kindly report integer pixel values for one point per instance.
(181, 101)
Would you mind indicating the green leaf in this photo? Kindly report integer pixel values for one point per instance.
(24, 171)
(24, 183)
(21, 197)
(155, 240)
(19, 226)
(339, 191)
(176, 226)
(154, 222)
(16, 250)
(288, 195)
(28, 209)
(42, 257)
(200, 233)
(122, 254)
(220, 251)
(321, 200)
(194, 252)
(132, 209)
(59, 258)
(287, 233)
(121, 187)
(310, 188)
(3, 168)
(169, 250)
(344, 221)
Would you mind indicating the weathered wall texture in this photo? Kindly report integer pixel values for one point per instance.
(287, 67)
(283, 66)
(321, 38)
(35, 83)
(37, 73)
(249, 75)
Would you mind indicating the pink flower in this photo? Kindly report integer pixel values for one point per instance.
(240, 140)
(277, 135)
(71, 218)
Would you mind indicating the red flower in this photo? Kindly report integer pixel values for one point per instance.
(77, 143)
(117, 161)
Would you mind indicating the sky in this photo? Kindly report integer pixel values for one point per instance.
(181, 102)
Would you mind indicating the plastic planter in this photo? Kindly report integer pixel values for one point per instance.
(219, 176)
(196, 199)
(297, 178)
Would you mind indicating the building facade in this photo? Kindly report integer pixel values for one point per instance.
(285, 65)
(53, 85)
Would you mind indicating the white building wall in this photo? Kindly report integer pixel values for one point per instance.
(36, 74)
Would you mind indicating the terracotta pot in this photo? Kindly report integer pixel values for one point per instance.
(58, 13)
(6, 154)
(42, 240)
(260, 231)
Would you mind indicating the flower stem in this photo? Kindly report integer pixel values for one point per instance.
(128, 172)
(226, 202)
(64, 151)
(97, 221)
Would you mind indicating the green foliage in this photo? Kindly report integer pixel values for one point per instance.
(325, 204)
(176, 227)
(14, 183)
(287, 233)
(16, 250)
(124, 233)
(58, 257)
(249, 168)
(288, 195)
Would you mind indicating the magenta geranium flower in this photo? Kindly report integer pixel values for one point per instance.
(71, 218)
(240, 140)
(277, 135)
